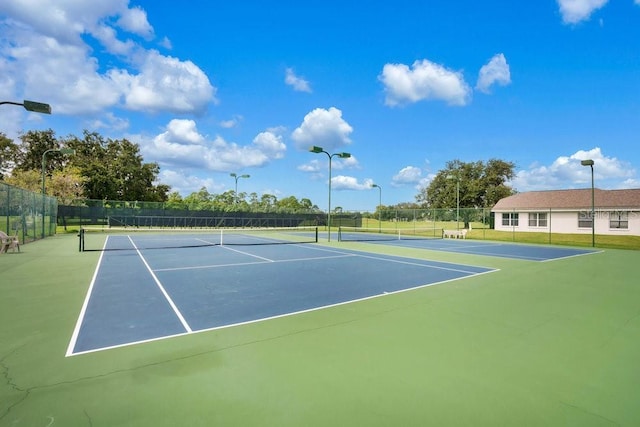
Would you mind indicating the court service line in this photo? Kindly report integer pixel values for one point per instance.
(390, 259)
(235, 264)
(247, 253)
(572, 256)
(162, 289)
(422, 265)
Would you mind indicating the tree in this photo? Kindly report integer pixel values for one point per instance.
(66, 185)
(199, 201)
(115, 169)
(268, 202)
(28, 180)
(480, 185)
(228, 201)
(8, 154)
(174, 201)
(34, 144)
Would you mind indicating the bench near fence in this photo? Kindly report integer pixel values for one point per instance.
(8, 242)
(454, 234)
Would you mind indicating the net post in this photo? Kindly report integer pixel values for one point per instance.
(81, 240)
(316, 240)
(339, 233)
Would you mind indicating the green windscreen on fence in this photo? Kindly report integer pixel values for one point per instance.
(26, 214)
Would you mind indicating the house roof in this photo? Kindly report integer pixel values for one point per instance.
(571, 199)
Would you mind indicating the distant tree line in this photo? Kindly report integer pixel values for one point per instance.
(114, 169)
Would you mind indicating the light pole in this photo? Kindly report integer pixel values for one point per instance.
(65, 151)
(36, 107)
(457, 178)
(237, 177)
(590, 162)
(316, 150)
(379, 206)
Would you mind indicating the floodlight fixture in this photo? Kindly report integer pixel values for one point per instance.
(33, 106)
(237, 177)
(316, 149)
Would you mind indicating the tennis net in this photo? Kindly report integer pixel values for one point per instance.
(128, 238)
(363, 234)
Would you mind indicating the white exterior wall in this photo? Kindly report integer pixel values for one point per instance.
(567, 222)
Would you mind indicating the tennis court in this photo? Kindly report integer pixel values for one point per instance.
(203, 281)
(532, 343)
(432, 239)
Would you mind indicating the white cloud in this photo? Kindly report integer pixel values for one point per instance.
(109, 121)
(48, 49)
(324, 128)
(166, 43)
(574, 11)
(407, 175)
(567, 172)
(298, 83)
(496, 71)
(425, 80)
(166, 84)
(270, 143)
(181, 145)
(313, 166)
(319, 168)
(342, 182)
(184, 132)
(232, 122)
(135, 21)
(186, 183)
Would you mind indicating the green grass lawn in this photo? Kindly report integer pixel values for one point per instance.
(533, 344)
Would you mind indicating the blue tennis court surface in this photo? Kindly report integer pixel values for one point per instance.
(481, 247)
(143, 295)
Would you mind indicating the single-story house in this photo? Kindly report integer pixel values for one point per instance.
(569, 211)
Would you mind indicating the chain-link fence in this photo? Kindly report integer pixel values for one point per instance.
(156, 214)
(544, 226)
(26, 214)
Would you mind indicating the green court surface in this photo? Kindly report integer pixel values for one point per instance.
(533, 344)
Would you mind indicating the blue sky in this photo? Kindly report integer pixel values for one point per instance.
(208, 88)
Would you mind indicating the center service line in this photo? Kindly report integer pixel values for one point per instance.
(163, 290)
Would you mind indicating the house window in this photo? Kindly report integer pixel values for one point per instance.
(538, 219)
(510, 219)
(585, 220)
(619, 219)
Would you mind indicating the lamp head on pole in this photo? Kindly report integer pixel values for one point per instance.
(344, 155)
(37, 107)
(316, 149)
(587, 162)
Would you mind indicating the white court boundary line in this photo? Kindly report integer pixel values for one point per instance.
(468, 247)
(83, 310)
(339, 254)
